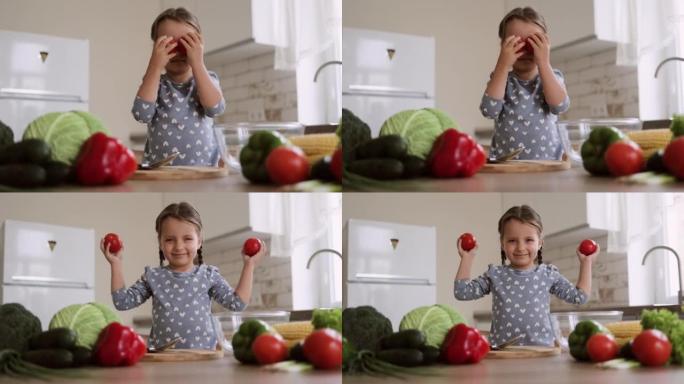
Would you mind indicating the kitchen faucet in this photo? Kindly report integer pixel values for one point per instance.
(323, 66)
(663, 62)
(308, 263)
(679, 269)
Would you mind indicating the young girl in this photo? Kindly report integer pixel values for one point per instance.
(521, 290)
(181, 291)
(526, 101)
(178, 106)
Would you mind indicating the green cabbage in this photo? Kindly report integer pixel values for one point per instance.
(87, 320)
(420, 128)
(65, 132)
(434, 320)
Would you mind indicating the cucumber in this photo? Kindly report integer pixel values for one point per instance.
(82, 356)
(321, 170)
(63, 338)
(49, 358)
(430, 354)
(402, 357)
(390, 146)
(57, 173)
(22, 175)
(34, 151)
(378, 169)
(408, 338)
(414, 167)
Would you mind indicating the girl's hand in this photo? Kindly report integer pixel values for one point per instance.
(463, 253)
(112, 258)
(587, 258)
(511, 51)
(542, 48)
(161, 53)
(194, 46)
(254, 260)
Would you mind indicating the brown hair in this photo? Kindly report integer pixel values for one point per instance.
(524, 214)
(526, 14)
(181, 211)
(180, 15)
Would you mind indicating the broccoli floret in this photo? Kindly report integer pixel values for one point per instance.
(17, 326)
(677, 126)
(364, 327)
(327, 318)
(352, 131)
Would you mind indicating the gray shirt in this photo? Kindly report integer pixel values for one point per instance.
(181, 303)
(520, 302)
(177, 122)
(524, 119)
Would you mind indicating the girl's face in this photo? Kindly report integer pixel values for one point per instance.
(179, 64)
(520, 242)
(523, 30)
(179, 242)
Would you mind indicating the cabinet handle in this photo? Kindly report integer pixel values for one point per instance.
(379, 278)
(378, 90)
(36, 94)
(48, 281)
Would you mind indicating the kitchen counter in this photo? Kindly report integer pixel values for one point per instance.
(557, 369)
(225, 370)
(571, 180)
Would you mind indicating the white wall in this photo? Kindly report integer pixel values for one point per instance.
(467, 44)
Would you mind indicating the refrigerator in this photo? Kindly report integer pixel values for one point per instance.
(41, 74)
(389, 266)
(385, 73)
(46, 267)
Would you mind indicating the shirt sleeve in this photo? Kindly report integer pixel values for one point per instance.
(219, 108)
(472, 289)
(133, 296)
(565, 105)
(143, 111)
(222, 292)
(564, 289)
(491, 108)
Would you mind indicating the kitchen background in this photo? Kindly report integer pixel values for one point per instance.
(294, 225)
(625, 225)
(607, 49)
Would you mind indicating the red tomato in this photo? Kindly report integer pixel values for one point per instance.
(323, 349)
(287, 165)
(269, 348)
(527, 48)
(180, 48)
(251, 246)
(624, 158)
(336, 164)
(652, 348)
(673, 158)
(112, 241)
(602, 347)
(587, 247)
(467, 241)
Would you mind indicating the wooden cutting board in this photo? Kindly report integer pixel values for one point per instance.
(521, 166)
(524, 352)
(183, 355)
(180, 173)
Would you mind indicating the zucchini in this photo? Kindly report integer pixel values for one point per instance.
(63, 338)
(430, 354)
(402, 357)
(49, 358)
(378, 169)
(408, 338)
(82, 356)
(414, 167)
(22, 175)
(56, 173)
(34, 151)
(390, 146)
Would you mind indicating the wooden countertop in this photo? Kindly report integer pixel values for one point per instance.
(225, 370)
(557, 370)
(572, 180)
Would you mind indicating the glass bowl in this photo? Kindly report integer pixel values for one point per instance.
(565, 322)
(230, 321)
(573, 133)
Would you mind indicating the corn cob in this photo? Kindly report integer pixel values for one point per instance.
(651, 139)
(316, 144)
(294, 330)
(624, 329)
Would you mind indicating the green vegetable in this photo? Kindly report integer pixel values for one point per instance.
(594, 148)
(17, 326)
(430, 354)
(377, 169)
(354, 182)
(297, 352)
(49, 358)
(404, 357)
(419, 127)
(408, 338)
(414, 167)
(56, 173)
(655, 162)
(243, 339)
(677, 126)
(364, 327)
(434, 320)
(65, 132)
(33, 151)
(327, 318)
(253, 155)
(670, 324)
(577, 340)
(63, 338)
(11, 364)
(22, 175)
(6, 135)
(320, 170)
(87, 320)
(352, 132)
(366, 363)
(82, 356)
(390, 146)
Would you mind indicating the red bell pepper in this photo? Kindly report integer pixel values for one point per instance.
(455, 154)
(464, 345)
(119, 345)
(104, 160)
